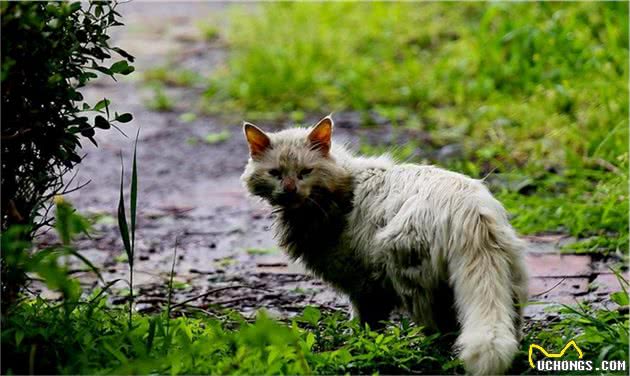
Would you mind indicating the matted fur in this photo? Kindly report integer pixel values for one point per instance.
(388, 235)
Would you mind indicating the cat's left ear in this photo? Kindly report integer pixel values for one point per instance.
(321, 135)
(257, 139)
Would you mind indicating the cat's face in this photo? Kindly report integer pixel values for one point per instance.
(291, 168)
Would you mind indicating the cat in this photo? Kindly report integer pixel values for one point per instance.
(430, 241)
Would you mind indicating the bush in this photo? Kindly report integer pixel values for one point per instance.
(53, 49)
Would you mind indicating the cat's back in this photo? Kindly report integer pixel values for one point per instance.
(381, 193)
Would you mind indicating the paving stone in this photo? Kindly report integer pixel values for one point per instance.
(557, 289)
(548, 243)
(607, 283)
(554, 265)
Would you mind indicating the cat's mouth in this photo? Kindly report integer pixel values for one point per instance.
(290, 200)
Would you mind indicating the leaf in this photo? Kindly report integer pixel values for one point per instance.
(134, 193)
(620, 298)
(104, 289)
(122, 218)
(101, 122)
(124, 118)
(88, 132)
(151, 334)
(311, 315)
(115, 352)
(101, 104)
(87, 262)
(93, 141)
(119, 66)
(103, 70)
(310, 340)
(124, 54)
(19, 336)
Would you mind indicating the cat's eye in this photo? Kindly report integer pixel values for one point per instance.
(304, 172)
(275, 173)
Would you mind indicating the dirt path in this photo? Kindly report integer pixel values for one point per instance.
(190, 191)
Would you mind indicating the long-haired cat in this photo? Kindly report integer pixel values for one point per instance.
(388, 235)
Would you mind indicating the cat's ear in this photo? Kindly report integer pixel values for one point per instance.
(257, 139)
(321, 135)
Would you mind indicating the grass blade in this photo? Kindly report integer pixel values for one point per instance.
(104, 290)
(88, 263)
(151, 334)
(134, 195)
(122, 218)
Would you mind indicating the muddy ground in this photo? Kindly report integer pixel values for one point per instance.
(190, 194)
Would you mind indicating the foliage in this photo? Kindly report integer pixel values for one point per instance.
(21, 259)
(96, 339)
(54, 49)
(534, 94)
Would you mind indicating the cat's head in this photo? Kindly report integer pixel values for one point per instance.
(293, 168)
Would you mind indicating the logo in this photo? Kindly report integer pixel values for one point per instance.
(552, 363)
(550, 355)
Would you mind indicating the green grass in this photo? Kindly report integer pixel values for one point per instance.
(39, 336)
(173, 76)
(535, 92)
(159, 100)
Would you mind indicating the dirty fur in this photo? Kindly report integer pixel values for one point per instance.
(432, 242)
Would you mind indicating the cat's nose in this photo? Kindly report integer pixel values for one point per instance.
(288, 185)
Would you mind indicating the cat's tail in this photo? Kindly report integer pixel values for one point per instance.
(490, 283)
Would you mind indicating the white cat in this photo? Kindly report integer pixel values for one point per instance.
(388, 235)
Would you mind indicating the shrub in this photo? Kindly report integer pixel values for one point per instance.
(51, 50)
(54, 48)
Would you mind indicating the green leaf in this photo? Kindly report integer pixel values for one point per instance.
(101, 104)
(311, 315)
(119, 66)
(75, 6)
(310, 340)
(151, 334)
(19, 336)
(122, 218)
(134, 193)
(87, 262)
(620, 298)
(101, 122)
(124, 118)
(124, 54)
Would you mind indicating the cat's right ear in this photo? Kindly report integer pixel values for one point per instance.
(257, 139)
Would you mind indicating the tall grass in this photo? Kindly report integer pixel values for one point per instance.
(128, 235)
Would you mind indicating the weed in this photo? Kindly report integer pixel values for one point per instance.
(160, 101)
(214, 138)
(314, 342)
(128, 233)
(187, 117)
(261, 251)
(172, 76)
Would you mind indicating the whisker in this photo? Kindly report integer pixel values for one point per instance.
(318, 206)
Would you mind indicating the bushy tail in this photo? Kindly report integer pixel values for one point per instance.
(489, 283)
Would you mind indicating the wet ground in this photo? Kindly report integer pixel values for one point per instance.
(190, 197)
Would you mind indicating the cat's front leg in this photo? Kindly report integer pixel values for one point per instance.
(373, 305)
